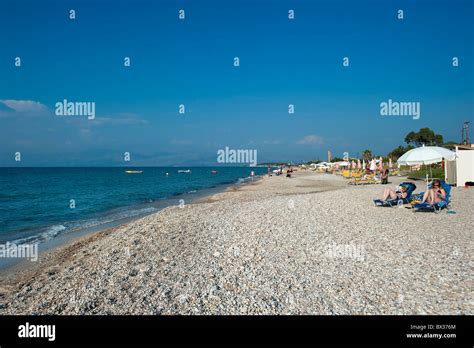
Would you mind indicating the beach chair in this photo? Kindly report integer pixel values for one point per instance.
(346, 174)
(395, 172)
(366, 180)
(435, 208)
(410, 188)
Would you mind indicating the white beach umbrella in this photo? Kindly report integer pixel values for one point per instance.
(426, 155)
(373, 165)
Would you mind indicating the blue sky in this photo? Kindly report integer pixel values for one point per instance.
(190, 62)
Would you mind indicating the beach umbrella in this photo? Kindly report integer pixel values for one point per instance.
(390, 163)
(353, 164)
(363, 163)
(381, 163)
(426, 155)
(373, 165)
(359, 165)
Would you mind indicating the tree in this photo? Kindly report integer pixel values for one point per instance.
(313, 161)
(367, 155)
(399, 151)
(424, 136)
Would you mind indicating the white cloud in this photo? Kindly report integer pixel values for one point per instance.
(311, 139)
(24, 106)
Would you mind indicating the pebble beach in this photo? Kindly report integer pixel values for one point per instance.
(310, 244)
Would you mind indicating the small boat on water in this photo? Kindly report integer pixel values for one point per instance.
(214, 172)
(134, 171)
(184, 171)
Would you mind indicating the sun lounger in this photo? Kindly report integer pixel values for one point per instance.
(395, 172)
(410, 188)
(366, 180)
(436, 208)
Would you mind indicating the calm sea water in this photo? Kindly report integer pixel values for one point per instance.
(35, 202)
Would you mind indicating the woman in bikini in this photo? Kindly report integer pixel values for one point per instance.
(435, 194)
(390, 193)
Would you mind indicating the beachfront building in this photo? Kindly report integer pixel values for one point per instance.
(461, 169)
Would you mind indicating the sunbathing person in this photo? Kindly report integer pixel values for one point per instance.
(390, 193)
(435, 194)
(384, 177)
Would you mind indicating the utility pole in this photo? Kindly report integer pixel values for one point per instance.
(465, 133)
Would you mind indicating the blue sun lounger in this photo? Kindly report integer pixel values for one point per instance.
(410, 188)
(436, 208)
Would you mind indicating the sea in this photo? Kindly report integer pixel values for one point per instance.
(41, 204)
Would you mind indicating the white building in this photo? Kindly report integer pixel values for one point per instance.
(461, 170)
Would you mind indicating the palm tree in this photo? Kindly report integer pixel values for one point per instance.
(367, 155)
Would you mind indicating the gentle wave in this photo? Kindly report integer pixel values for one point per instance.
(50, 233)
(53, 231)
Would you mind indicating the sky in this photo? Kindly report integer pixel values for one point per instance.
(191, 62)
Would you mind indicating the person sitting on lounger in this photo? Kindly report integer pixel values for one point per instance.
(435, 194)
(384, 177)
(390, 193)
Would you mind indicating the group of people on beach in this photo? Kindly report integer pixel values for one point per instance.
(433, 195)
(279, 172)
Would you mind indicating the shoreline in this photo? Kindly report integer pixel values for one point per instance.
(67, 238)
(260, 249)
(48, 255)
(23, 271)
